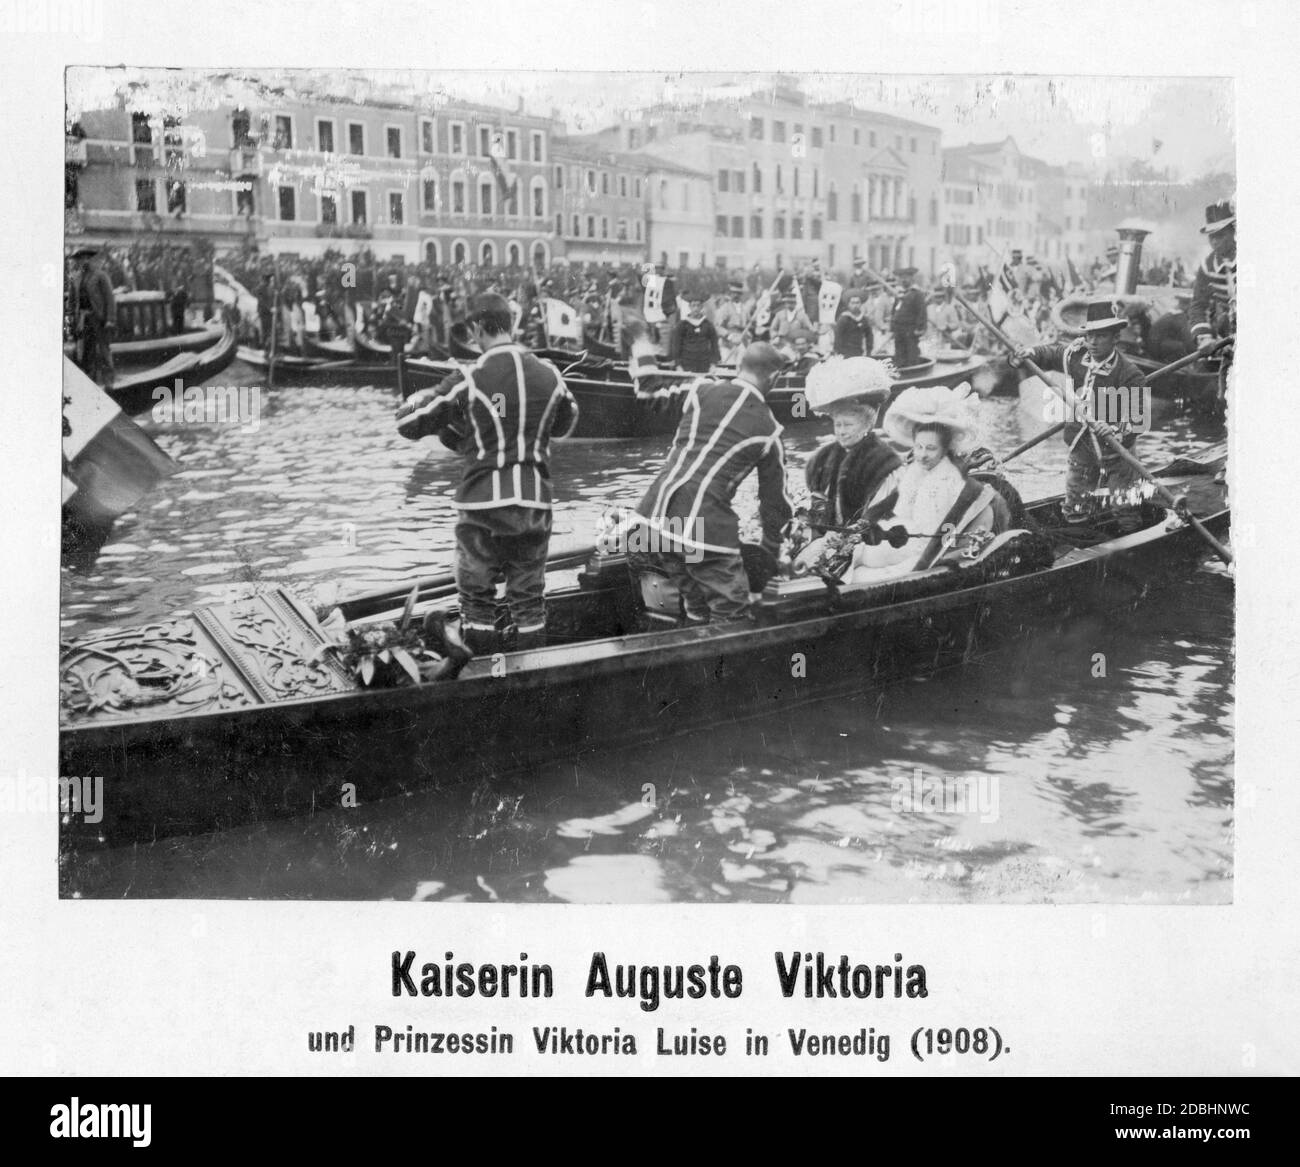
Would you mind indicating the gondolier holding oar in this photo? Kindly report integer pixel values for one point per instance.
(910, 322)
(504, 409)
(727, 430)
(1101, 377)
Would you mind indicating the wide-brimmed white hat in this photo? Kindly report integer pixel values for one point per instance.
(847, 379)
(921, 405)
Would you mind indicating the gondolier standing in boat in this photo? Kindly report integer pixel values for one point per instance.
(1094, 364)
(910, 321)
(1213, 312)
(853, 330)
(727, 431)
(95, 314)
(502, 411)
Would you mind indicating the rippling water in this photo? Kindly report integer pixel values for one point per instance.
(1038, 781)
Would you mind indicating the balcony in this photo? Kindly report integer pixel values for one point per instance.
(344, 231)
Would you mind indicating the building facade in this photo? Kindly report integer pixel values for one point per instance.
(599, 202)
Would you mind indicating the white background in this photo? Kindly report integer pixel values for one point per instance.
(217, 987)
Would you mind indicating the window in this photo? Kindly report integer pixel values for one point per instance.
(816, 182)
(591, 226)
(360, 212)
(591, 182)
(621, 234)
(396, 207)
(778, 131)
(737, 227)
(796, 227)
(636, 188)
(239, 127)
(934, 212)
(514, 256)
(911, 209)
(485, 141)
(855, 206)
(604, 227)
(146, 200)
(638, 230)
(817, 137)
(329, 209)
(758, 179)
(872, 139)
(175, 196)
(778, 228)
(720, 225)
(832, 133)
(738, 181)
(577, 227)
(724, 180)
(393, 141)
(798, 130)
(457, 196)
(429, 194)
(426, 135)
(604, 182)
(780, 186)
(633, 138)
(911, 145)
(832, 204)
(457, 137)
(325, 136)
(622, 186)
(756, 226)
(539, 148)
(244, 202)
(663, 194)
(857, 136)
(756, 128)
(487, 255)
(816, 228)
(539, 198)
(431, 252)
(559, 224)
(458, 252)
(686, 196)
(485, 198)
(512, 144)
(283, 132)
(287, 199)
(559, 178)
(796, 180)
(356, 138)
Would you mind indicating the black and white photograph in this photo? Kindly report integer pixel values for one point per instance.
(746, 488)
(669, 540)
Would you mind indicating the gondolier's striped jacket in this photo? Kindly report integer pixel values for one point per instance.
(507, 406)
(726, 431)
(1089, 381)
(1213, 310)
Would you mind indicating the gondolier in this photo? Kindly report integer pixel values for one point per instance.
(501, 413)
(853, 330)
(1213, 313)
(1094, 364)
(694, 346)
(726, 431)
(909, 322)
(95, 316)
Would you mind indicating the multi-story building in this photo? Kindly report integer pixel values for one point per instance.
(485, 186)
(599, 201)
(795, 182)
(1007, 184)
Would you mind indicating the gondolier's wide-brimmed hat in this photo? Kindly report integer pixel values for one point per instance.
(85, 252)
(1218, 217)
(922, 405)
(845, 379)
(1104, 315)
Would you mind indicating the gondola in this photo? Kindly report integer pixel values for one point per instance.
(243, 719)
(134, 392)
(609, 407)
(291, 369)
(152, 351)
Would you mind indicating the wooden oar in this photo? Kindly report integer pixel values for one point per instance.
(1105, 435)
(434, 587)
(1029, 445)
(1189, 359)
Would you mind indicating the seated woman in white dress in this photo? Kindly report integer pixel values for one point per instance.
(936, 505)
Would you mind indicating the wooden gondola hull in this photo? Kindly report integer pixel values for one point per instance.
(219, 770)
(135, 392)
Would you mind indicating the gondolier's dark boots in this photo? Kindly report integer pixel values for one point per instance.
(481, 641)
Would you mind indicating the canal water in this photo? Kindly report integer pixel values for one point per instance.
(1022, 777)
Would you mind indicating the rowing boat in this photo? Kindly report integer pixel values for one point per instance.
(229, 716)
(135, 392)
(295, 370)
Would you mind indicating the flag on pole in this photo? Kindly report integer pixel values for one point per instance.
(109, 459)
(654, 299)
(828, 302)
(763, 312)
(562, 322)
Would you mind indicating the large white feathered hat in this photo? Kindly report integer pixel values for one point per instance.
(955, 409)
(846, 379)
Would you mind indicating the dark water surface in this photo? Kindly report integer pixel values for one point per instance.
(1021, 777)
